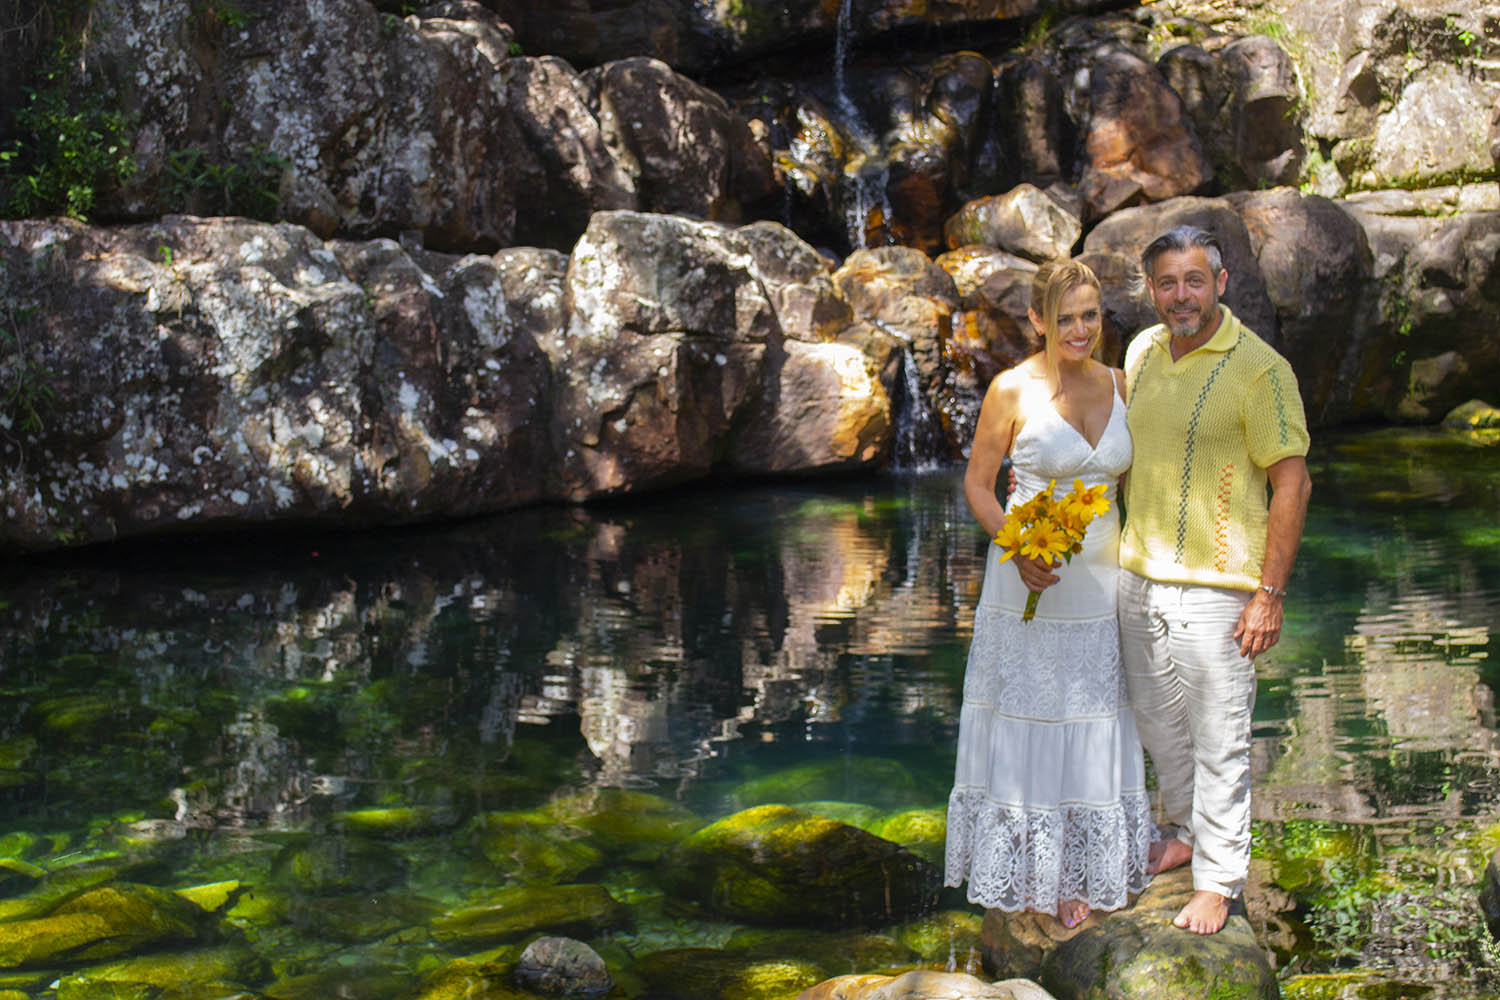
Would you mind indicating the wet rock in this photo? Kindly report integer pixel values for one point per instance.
(1474, 415)
(1138, 145)
(368, 981)
(179, 972)
(507, 914)
(359, 917)
(102, 923)
(631, 825)
(924, 832)
(947, 939)
(923, 985)
(557, 965)
(830, 952)
(1034, 137)
(331, 865)
(711, 974)
(212, 897)
(872, 781)
(775, 864)
(486, 975)
(1135, 952)
(534, 847)
(1023, 221)
(395, 821)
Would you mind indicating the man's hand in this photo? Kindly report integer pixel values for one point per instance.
(1259, 626)
(1035, 573)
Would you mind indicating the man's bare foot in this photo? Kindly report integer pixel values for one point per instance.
(1164, 855)
(1072, 912)
(1205, 913)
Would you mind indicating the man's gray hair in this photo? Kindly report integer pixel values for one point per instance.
(1179, 239)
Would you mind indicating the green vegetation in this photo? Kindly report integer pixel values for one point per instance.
(195, 182)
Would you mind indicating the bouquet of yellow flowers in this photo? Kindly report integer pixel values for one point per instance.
(1048, 529)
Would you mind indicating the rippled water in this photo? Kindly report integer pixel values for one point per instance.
(222, 694)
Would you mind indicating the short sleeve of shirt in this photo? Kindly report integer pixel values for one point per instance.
(1275, 425)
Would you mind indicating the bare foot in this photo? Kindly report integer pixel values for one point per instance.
(1205, 913)
(1164, 855)
(1072, 912)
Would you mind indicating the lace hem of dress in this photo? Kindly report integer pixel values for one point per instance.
(1016, 858)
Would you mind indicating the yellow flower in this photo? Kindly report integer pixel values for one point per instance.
(1085, 503)
(1009, 536)
(1046, 541)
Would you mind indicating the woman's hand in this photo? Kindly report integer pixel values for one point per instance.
(1035, 573)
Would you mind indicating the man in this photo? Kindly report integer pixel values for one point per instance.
(1215, 416)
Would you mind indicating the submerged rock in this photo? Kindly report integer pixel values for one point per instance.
(533, 847)
(563, 965)
(333, 865)
(636, 826)
(775, 864)
(180, 972)
(513, 913)
(873, 780)
(949, 939)
(1474, 415)
(102, 923)
(711, 974)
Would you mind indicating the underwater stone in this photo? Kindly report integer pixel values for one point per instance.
(950, 938)
(832, 952)
(776, 864)
(1474, 415)
(149, 974)
(624, 822)
(100, 923)
(512, 913)
(395, 821)
(212, 897)
(710, 974)
(531, 847)
(879, 782)
(333, 865)
(563, 965)
(924, 832)
(358, 917)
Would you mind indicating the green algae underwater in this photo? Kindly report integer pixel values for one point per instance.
(320, 764)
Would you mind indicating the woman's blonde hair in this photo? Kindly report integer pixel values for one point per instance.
(1053, 280)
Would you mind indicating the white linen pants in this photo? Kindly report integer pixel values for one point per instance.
(1193, 693)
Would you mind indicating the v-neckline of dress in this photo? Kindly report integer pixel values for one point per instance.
(1114, 396)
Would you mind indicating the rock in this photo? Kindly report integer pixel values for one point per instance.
(636, 826)
(828, 951)
(534, 847)
(922, 831)
(1137, 144)
(1023, 221)
(1317, 267)
(1127, 232)
(1035, 137)
(948, 939)
(1135, 952)
(212, 897)
(1242, 99)
(333, 865)
(775, 864)
(487, 975)
(798, 281)
(176, 971)
(873, 781)
(101, 923)
(1474, 415)
(562, 965)
(923, 985)
(692, 155)
(508, 914)
(395, 821)
(359, 917)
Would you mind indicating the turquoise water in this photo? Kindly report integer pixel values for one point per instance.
(183, 714)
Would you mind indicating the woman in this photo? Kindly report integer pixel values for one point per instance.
(1049, 811)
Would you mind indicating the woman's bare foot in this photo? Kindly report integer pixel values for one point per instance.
(1164, 855)
(1072, 912)
(1205, 913)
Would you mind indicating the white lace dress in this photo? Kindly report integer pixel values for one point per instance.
(1049, 796)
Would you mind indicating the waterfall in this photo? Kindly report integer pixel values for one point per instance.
(843, 34)
(865, 201)
(918, 440)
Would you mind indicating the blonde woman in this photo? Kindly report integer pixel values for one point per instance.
(1049, 811)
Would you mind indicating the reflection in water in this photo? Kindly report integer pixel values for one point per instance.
(689, 642)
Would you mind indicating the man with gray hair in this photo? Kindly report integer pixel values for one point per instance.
(1215, 417)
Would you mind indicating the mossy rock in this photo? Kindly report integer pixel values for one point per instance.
(395, 821)
(464, 979)
(338, 864)
(924, 832)
(101, 923)
(534, 847)
(712, 974)
(886, 784)
(212, 897)
(262, 906)
(778, 865)
(364, 983)
(507, 914)
(1135, 953)
(1356, 984)
(80, 718)
(358, 917)
(1475, 415)
(631, 825)
(867, 818)
(229, 963)
(949, 939)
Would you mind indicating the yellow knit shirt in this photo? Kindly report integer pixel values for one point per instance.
(1205, 429)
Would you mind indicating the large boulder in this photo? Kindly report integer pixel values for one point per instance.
(1023, 221)
(775, 864)
(1132, 953)
(923, 984)
(102, 923)
(223, 372)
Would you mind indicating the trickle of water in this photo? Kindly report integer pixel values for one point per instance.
(917, 430)
(866, 204)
